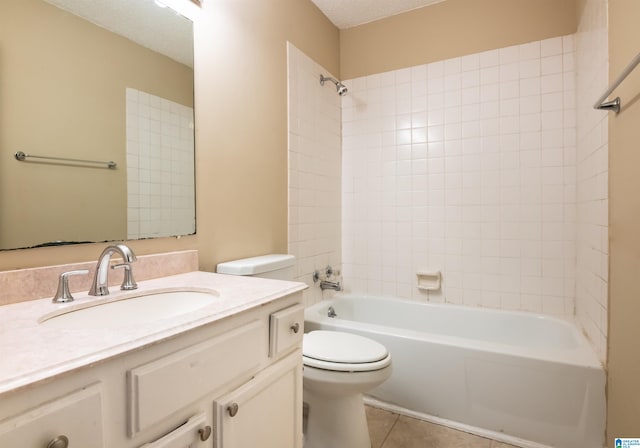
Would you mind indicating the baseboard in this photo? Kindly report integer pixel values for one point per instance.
(494, 435)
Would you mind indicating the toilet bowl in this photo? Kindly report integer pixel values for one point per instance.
(338, 368)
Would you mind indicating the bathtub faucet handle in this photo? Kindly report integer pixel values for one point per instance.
(325, 283)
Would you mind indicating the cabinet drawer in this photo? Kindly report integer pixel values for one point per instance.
(285, 329)
(159, 388)
(77, 416)
(190, 435)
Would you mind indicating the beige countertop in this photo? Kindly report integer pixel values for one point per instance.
(31, 352)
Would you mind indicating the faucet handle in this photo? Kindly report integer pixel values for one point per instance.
(63, 294)
(128, 283)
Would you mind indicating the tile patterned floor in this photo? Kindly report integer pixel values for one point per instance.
(389, 430)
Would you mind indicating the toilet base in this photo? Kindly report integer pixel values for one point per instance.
(339, 422)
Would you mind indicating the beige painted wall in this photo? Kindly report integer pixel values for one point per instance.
(62, 94)
(449, 29)
(241, 113)
(624, 236)
(241, 131)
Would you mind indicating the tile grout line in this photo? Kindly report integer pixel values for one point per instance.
(386, 437)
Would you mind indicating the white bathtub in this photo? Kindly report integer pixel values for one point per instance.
(519, 377)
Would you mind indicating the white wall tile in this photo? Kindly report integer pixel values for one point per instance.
(315, 228)
(550, 47)
(530, 86)
(551, 83)
(529, 51)
(551, 65)
(489, 58)
(509, 71)
(490, 75)
(483, 195)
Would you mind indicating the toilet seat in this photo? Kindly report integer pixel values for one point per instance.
(343, 352)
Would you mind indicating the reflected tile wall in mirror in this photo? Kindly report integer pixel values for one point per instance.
(160, 175)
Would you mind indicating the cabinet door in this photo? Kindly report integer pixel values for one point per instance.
(193, 434)
(76, 418)
(266, 411)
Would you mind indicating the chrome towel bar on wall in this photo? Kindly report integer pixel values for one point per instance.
(21, 156)
(614, 104)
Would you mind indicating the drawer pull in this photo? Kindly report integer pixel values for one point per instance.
(59, 442)
(295, 327)
(233, 409)
(205, 433)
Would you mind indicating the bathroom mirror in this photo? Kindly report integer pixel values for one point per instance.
(95, 81)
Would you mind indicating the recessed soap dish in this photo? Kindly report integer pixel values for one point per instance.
(429, 281)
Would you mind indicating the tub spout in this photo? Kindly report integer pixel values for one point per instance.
(326, 284)
(331, 312)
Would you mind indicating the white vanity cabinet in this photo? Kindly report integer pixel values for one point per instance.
(232, 383)
(264, 412)
(74, 420)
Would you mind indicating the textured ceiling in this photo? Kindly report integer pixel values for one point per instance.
(142, 21)
(349, 13)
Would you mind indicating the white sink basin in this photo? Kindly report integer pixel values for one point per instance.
(134, 310)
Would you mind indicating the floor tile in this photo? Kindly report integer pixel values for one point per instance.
(380, 424)
(390, 430)
(411, 433)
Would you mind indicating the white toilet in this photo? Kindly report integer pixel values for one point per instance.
(338, 368)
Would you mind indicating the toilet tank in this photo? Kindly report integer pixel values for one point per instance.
(276, 266)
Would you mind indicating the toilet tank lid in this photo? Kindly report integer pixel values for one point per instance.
(256, 265)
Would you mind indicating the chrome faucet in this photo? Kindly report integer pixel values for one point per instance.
(324, 280)
(326, 284)
(100, 284)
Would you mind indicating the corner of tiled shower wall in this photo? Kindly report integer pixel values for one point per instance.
(592, 243)
(314, 171)
(465, 166)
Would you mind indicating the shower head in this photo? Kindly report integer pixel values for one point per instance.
(340, 88)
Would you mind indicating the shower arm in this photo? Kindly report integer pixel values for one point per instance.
(328, 78)
(340, 88)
